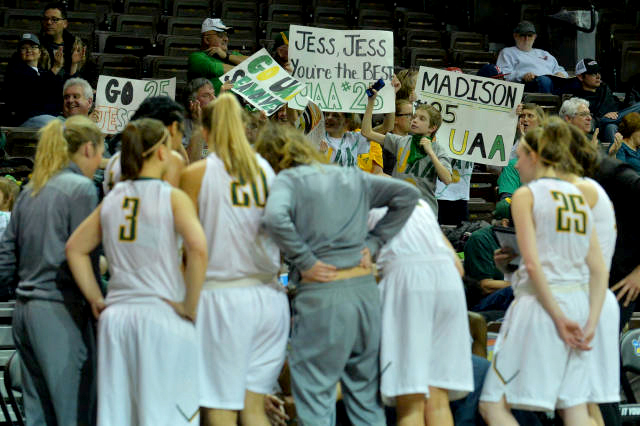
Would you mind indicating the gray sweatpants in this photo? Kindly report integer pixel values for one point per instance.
(336, 338)
(56, 343)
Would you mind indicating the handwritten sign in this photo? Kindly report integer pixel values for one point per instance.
(117, 99)
(338, 66)
(478, 114)
(262, 82)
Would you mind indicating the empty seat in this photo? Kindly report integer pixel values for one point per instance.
(430, 39)
(436, 58)
(144, 7)
(375, 18)
(273, 28)
(290, 13)
(239, 10)
(191, 8)
(630, 60)
(548, 102)
(128, 44)
(330, 15)
(416, 20)
(244, 46)
(184, 26)
(138, 24)
(25, 20)
(472, 59)
(117, 65)
(179, 45)
(242, 29)
(5, 56)
(81, 22)
(372, 5)
(460, 40)
(328, 3)
(9, 38)
(32, 4)
(22, 142)
(105, 6)
(167, 67)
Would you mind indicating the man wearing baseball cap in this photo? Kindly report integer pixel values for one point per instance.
(607, 110)
(213, 60)
(491, 71)
(524, 64)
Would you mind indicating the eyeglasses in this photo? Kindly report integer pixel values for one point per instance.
(29, 48)
(584, 114)
(52, 19)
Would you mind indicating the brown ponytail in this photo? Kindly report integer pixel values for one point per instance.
(584, 152)
(552, 141)
(139, 140)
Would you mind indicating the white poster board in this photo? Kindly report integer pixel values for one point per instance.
(478, 114)
(262, 82)
(337, 66)
(117, 99)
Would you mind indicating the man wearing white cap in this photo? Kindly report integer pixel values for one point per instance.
(213, 60)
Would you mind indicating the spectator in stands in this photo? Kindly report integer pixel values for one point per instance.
(77, 97)
(576, 111)
(34, 93)
(54, 33)
(626, 147)
(420, 160)
(52, 327)
(213, 60)
(343, 146)
(408, 79)
(401, 127)
(607, 109)
(480, 266)
(524, 64)
(81, 66)
(530, 117)
(491, 71)
(281, 50)
(9, 191)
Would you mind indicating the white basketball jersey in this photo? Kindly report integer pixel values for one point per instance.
(140, 242)
(420, 237)
(563, 224)
(112, 173)
(230, 212)
(604, 220)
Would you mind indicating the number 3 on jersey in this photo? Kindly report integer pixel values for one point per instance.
(128, 232)
(240, 196)
(570, 214)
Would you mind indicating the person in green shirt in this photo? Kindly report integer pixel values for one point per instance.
(480, 266)
(214, 60)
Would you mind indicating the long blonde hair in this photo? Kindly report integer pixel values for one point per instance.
(58, 142)
(223, 121)
(284, 147)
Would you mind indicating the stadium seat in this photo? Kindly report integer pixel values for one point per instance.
(436, 58)
(23, 19)
(239, 10)
(415, 20)
(21, 142)
(13, 385)
(81, 22)
(184, 26)
(548, 102)
(375, 19)
(191, 8)
(129, 44)
(5, 56)
(117, 65)
(105, 6)
(472, 60)
(144, 7)
(166, 67)
(630, 60)
(245, 46)
(460, 40)
(330, 15)
(9, 38)
(179, 45)
(32, 4)
(430, 39)
(328, 3)
(242, 28)
(138, 24)
(274, 28)
(373, 5)
(289, 13)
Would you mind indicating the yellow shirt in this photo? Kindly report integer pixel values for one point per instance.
(366, 161)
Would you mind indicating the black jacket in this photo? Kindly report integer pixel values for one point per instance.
(68, 39)
(29, 92)
(601, 101)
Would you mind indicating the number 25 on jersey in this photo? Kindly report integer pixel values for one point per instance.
(570, 214)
